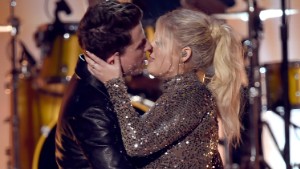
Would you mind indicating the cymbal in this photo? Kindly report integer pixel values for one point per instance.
(5, 28)
(263, 15)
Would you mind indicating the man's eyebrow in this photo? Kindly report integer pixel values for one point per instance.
(142, 43)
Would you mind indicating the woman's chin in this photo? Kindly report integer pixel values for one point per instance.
(150, 71)
(153, 74)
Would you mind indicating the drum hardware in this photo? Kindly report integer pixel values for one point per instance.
(254, 158)
(264, 14)
(24, 74)
(26, 94)
(6, 28)
(257, 102)
(274, 137)
(280, 113)
(61, 6)
(13, 28)
(53, 39)
(285, 85)
(58, 55)
(26, 99)
(254, 16)
(26, 55)
(36, 109)
(40, 108)
(255, 88)
(27, 62)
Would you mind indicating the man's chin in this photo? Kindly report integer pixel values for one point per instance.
(134, 72)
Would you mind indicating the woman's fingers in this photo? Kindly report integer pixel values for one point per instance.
(101, 69)
(91, 70)
(117, 60)
(89, 61)
(94, 59)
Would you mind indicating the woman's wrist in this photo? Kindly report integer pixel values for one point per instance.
(115, 83)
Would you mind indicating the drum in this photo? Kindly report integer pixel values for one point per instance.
(59, 49)
(40, 94)
(36, 109)
(27, 131)
(46, 105)
(274, 89)
(44, 154)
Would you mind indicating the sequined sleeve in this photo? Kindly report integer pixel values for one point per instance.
(172, 118)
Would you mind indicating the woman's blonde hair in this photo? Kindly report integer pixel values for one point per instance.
(214, 46)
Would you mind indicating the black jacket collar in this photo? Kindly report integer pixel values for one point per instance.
(83, 73)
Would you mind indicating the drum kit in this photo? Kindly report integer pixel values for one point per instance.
(37, 92)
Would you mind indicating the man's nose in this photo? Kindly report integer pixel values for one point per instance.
(148, 47)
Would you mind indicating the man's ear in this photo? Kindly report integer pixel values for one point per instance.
(186, 53)
(111, 58)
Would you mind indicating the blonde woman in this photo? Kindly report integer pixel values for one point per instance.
(183, 123)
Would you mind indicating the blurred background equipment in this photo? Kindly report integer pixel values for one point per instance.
(255, 158)
(41, 88)
(59, 49)
(14, 117)
(37, 91)
(264, 14)
(208, 7)
(59, 46)
(37, 87)
(6, 28)
(277, 81)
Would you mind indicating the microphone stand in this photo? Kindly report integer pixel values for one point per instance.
(14, 119)
(254, 28)
(285, 85)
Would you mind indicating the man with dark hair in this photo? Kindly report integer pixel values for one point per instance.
(88, 133)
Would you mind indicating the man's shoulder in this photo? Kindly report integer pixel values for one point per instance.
(84, 97)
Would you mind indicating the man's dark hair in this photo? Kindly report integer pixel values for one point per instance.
(105, 27)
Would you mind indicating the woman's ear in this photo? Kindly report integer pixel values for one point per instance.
(186, 53)
(111, 59)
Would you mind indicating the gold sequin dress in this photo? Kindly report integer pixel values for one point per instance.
(183, 121)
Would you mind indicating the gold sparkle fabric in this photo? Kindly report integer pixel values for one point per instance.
(183, 121)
